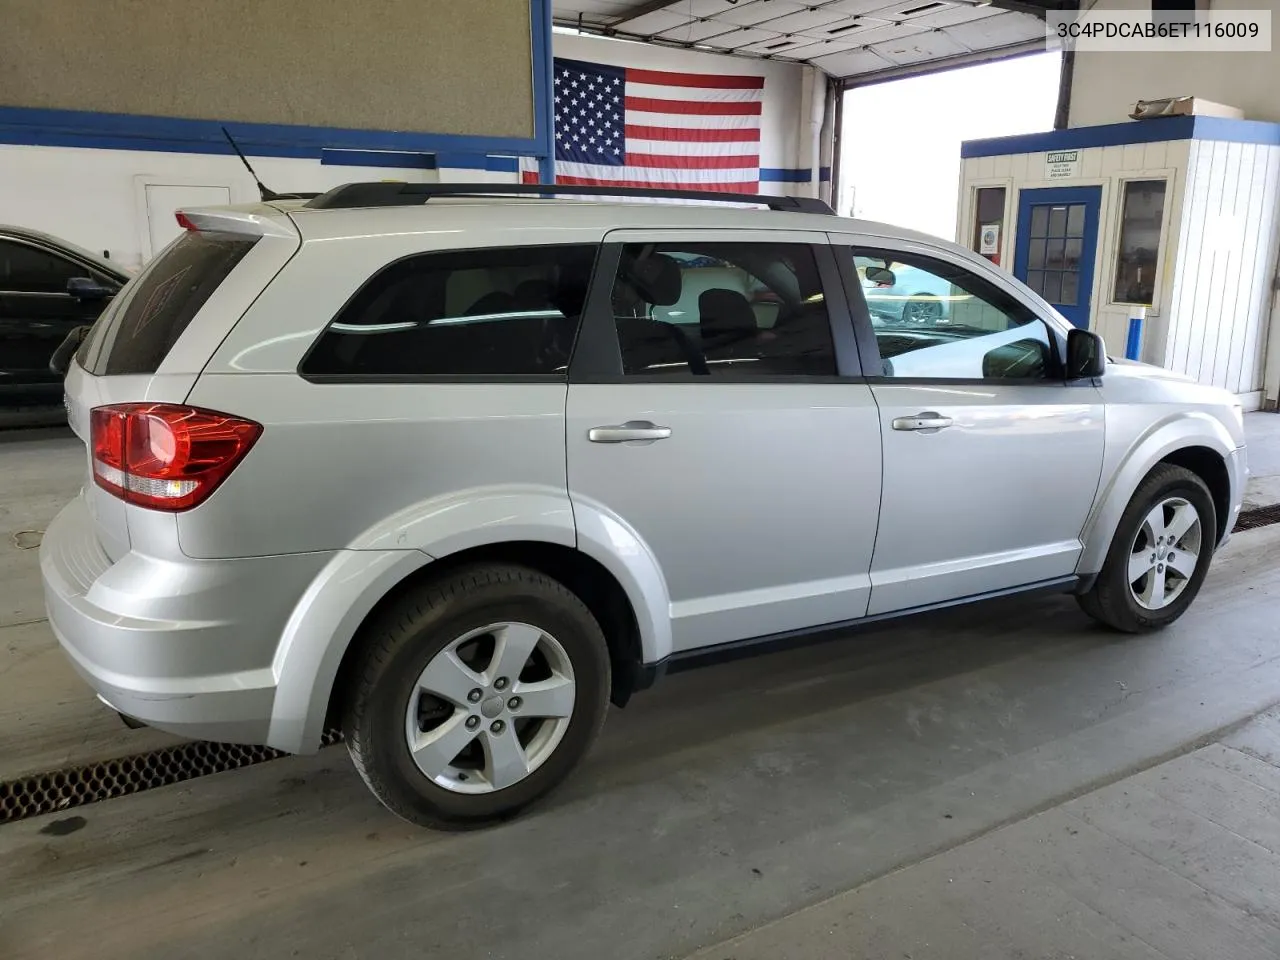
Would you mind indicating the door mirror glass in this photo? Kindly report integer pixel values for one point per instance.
(1086, 355)
(87, 288)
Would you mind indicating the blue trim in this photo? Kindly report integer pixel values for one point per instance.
(785, 174)
(1133, 344)
(1120, 134)
(1091, 197)
(419, 161)
(543, 88)
(117, 131)
(378, 158)
(792, 174)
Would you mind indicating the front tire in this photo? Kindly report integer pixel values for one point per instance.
(1159, 555)
(475, 695)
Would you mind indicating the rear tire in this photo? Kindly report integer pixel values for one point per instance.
(1159, 555)
(475, 695)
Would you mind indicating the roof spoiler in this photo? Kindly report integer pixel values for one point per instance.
(232, 220)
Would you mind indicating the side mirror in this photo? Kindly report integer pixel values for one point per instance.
(87, 288)
(1086, 355)
(880, 276)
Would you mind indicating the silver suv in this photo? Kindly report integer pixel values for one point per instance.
(451, 467)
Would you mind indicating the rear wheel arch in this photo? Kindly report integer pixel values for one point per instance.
(584, 576)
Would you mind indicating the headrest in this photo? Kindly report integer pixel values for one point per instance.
(656, 278)
(725, 311)
(533, 294)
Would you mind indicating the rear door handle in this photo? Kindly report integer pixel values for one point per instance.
(922, 421)
(641, 430)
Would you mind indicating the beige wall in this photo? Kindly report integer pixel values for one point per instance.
(438, 66)
(1107, 85)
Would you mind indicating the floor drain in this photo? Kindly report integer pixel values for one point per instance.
(58, 790)
(1257, 517)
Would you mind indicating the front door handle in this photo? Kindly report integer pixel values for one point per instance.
(641, 430)
(928, 421)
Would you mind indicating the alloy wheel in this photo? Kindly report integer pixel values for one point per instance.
(490, 708)
(1165, 553)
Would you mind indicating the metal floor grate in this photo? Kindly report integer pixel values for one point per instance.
(76, 786)
(1257, 517)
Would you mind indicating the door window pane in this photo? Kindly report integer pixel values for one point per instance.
(1071, 257)
(1039, 221)
(27, 269)
(1070, 295)
(1057, 221)
(971, 329)
(1051, 287)
(1075, 220)
(497, 311)
(1054, 253)
(1142, 214)
(1036, 253)
(722, 309)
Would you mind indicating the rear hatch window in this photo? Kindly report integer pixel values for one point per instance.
(137, 333)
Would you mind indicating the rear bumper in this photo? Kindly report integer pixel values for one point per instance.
(183, 645)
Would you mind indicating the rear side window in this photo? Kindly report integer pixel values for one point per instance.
(496, 311)
(138, 333)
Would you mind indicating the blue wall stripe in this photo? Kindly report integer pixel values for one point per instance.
(791, 174)
(378, 158)
(76, 128)
(1134, 131)
(419, 161)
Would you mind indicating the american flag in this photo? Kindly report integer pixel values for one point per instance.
(623, 127)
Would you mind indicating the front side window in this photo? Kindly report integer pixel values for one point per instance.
(494, 311)
(1141, 217)
(28, 269)
(936, 320)
(722, 309)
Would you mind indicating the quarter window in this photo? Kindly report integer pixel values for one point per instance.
(496, 311)
(935, 320)
(722, 310)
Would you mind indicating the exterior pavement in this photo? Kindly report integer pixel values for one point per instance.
(1179, 861)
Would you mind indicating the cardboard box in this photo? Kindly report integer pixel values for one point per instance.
(1184, 107)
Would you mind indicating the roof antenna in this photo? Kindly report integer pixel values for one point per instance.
(263, 191)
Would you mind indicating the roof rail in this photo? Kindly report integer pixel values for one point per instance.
(384, 194)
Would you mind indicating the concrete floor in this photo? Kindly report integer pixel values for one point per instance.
(744, 811)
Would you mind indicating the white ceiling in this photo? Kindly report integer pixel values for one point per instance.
(851, 39)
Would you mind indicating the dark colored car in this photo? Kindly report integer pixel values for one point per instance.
(48, 287)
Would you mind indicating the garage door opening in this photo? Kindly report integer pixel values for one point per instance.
(900, 140)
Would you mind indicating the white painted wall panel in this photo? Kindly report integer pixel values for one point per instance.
(1221, 307)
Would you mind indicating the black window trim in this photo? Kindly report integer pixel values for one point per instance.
(871, 348)
(597, 358)
(444, 378)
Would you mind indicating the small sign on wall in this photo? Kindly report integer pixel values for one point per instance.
(989, 239)
(1061, 164)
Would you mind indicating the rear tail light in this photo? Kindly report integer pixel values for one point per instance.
(166, 456)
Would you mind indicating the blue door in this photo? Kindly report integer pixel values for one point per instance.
(1057, 246)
